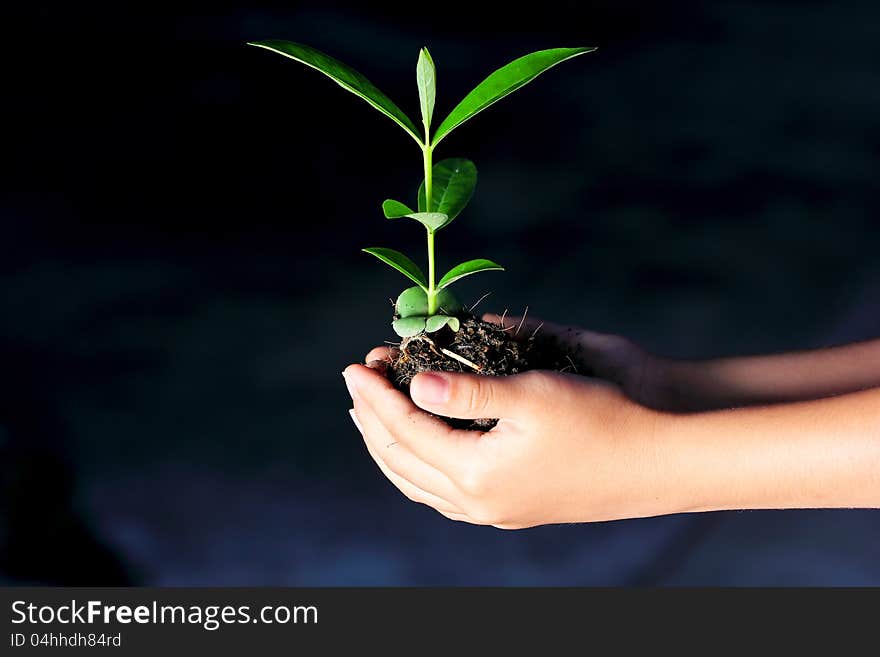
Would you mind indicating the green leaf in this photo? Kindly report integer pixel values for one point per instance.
(395, 209)
(502, 82)
(466, 269)
(413, 301)
(436, 322)
(401, 263)
(408, 326)
(430, 220)
(448, 303)
(426, 77)
(343, 75)
(453, 187)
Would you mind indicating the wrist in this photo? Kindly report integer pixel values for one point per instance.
(673, 385)
(814, 454)
(742, 458)
(687, 463)
(656, 474)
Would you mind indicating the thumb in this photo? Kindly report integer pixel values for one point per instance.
(469, 396)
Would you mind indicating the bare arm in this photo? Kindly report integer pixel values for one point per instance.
(695, 385)
(690, 385)
(815, 454)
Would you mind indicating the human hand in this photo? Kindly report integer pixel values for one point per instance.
(566, 448)
(700, 385)
(642, 376)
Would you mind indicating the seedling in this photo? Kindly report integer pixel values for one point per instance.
(447, 186)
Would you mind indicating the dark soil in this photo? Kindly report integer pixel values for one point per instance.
(478, 347)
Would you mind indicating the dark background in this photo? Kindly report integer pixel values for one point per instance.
(180, 225)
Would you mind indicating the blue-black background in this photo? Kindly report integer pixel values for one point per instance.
(180, 225)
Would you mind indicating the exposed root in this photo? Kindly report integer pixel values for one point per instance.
(462, 360)
(522, 321)
(471, 309)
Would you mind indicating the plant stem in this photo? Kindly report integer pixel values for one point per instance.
(432, 293)
(429, 181)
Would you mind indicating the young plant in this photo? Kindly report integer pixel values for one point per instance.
(447, 186)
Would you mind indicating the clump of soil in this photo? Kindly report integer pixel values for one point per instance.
(478, 347)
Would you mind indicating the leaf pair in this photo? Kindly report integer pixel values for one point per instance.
(413, 272)
(499, 84)
(413, 302)
(454, 183)
(410, 326)
(412, 313)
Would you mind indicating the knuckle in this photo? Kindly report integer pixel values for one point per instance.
(480, 502)
(539, 385)
(479, 395)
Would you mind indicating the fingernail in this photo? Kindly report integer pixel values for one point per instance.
(431, 388)
(354, 418)
(378, 365)
(348, 384)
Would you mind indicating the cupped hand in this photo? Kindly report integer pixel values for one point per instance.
(566, 448)
(642, 376)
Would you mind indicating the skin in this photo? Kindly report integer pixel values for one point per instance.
(649, 436)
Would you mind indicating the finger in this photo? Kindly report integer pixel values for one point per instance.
(413, 492)
(380, 366)
(460, 517)
(409, 489)
(400, 460)
(429, 438)
(523, 329)
(596, 351)
(381, 353)
(471, 396)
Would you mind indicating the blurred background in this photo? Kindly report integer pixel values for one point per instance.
(180, 225)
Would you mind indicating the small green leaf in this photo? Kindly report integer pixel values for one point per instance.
(430, 220)
(401, 263)
(426, 77)
(394, 209)
(502, 82)
(454, 182)
(466, 269)
(436, 322)
(407, 327)
(448, 303)
(344, 76)
(412, 302)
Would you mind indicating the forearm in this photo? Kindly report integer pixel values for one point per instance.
(816, 454)
(726, 382)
